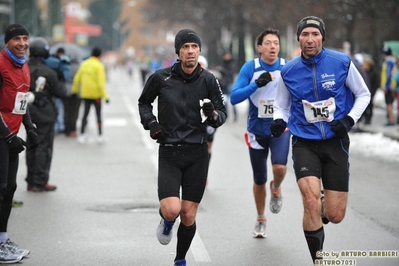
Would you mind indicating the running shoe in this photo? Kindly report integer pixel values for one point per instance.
(276, 200)
(180, 263)
(260, 228)
(6, 257)
(16, 203)
(82, 139)
(323, 218)
(164, 232)
(14, 249)
(48, 187)
(102, 140)
(85, 139)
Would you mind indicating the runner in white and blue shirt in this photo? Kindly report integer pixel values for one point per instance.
(257, 82)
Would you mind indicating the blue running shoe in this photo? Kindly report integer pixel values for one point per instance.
(180, 263)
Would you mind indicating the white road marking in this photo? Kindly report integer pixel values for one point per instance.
(198, 249)
(115, 122)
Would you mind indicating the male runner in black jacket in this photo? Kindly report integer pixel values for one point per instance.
(189, 98)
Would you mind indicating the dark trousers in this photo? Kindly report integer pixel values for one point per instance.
(97, 106)
(38, 160)
(9, 162)
(71, 113)
(368, 114)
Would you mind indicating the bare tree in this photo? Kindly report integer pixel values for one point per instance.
(366, 24)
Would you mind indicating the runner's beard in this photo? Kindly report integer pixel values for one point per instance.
(189, 64)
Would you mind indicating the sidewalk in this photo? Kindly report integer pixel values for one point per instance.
(377, 125)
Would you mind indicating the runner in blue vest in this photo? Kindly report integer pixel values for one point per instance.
(321, 95)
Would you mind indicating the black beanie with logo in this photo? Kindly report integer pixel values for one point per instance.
(311, 21)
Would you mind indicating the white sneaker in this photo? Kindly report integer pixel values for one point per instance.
(14, 249)
(7, 257)
(102, 140)
(260, 228)
(164, 232)
(84, 139)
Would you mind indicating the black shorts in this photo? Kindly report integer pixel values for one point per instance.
(389, 97)
(185, 166)
(326, 159)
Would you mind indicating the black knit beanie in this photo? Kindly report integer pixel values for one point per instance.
(386, 50)
(311, 21)
(185, 36)
(14, 30)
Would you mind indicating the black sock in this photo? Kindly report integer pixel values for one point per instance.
(315, 240)
(184, 237)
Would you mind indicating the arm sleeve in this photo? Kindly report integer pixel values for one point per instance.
(146, 100)
(4, 130)
(218, 102)
(360, 91)
(57, 87)
(243, 88)
(27, 121)
(282, 102)
(102, 82)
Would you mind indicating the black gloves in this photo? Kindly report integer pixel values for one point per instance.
(33, 138)
(341, 127)
(208, 109)
(156, 131)
(277, 127)
(15, 144)
(107, 101)
(263, 79)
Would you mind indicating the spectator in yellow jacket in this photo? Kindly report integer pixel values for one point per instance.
(89, 82)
